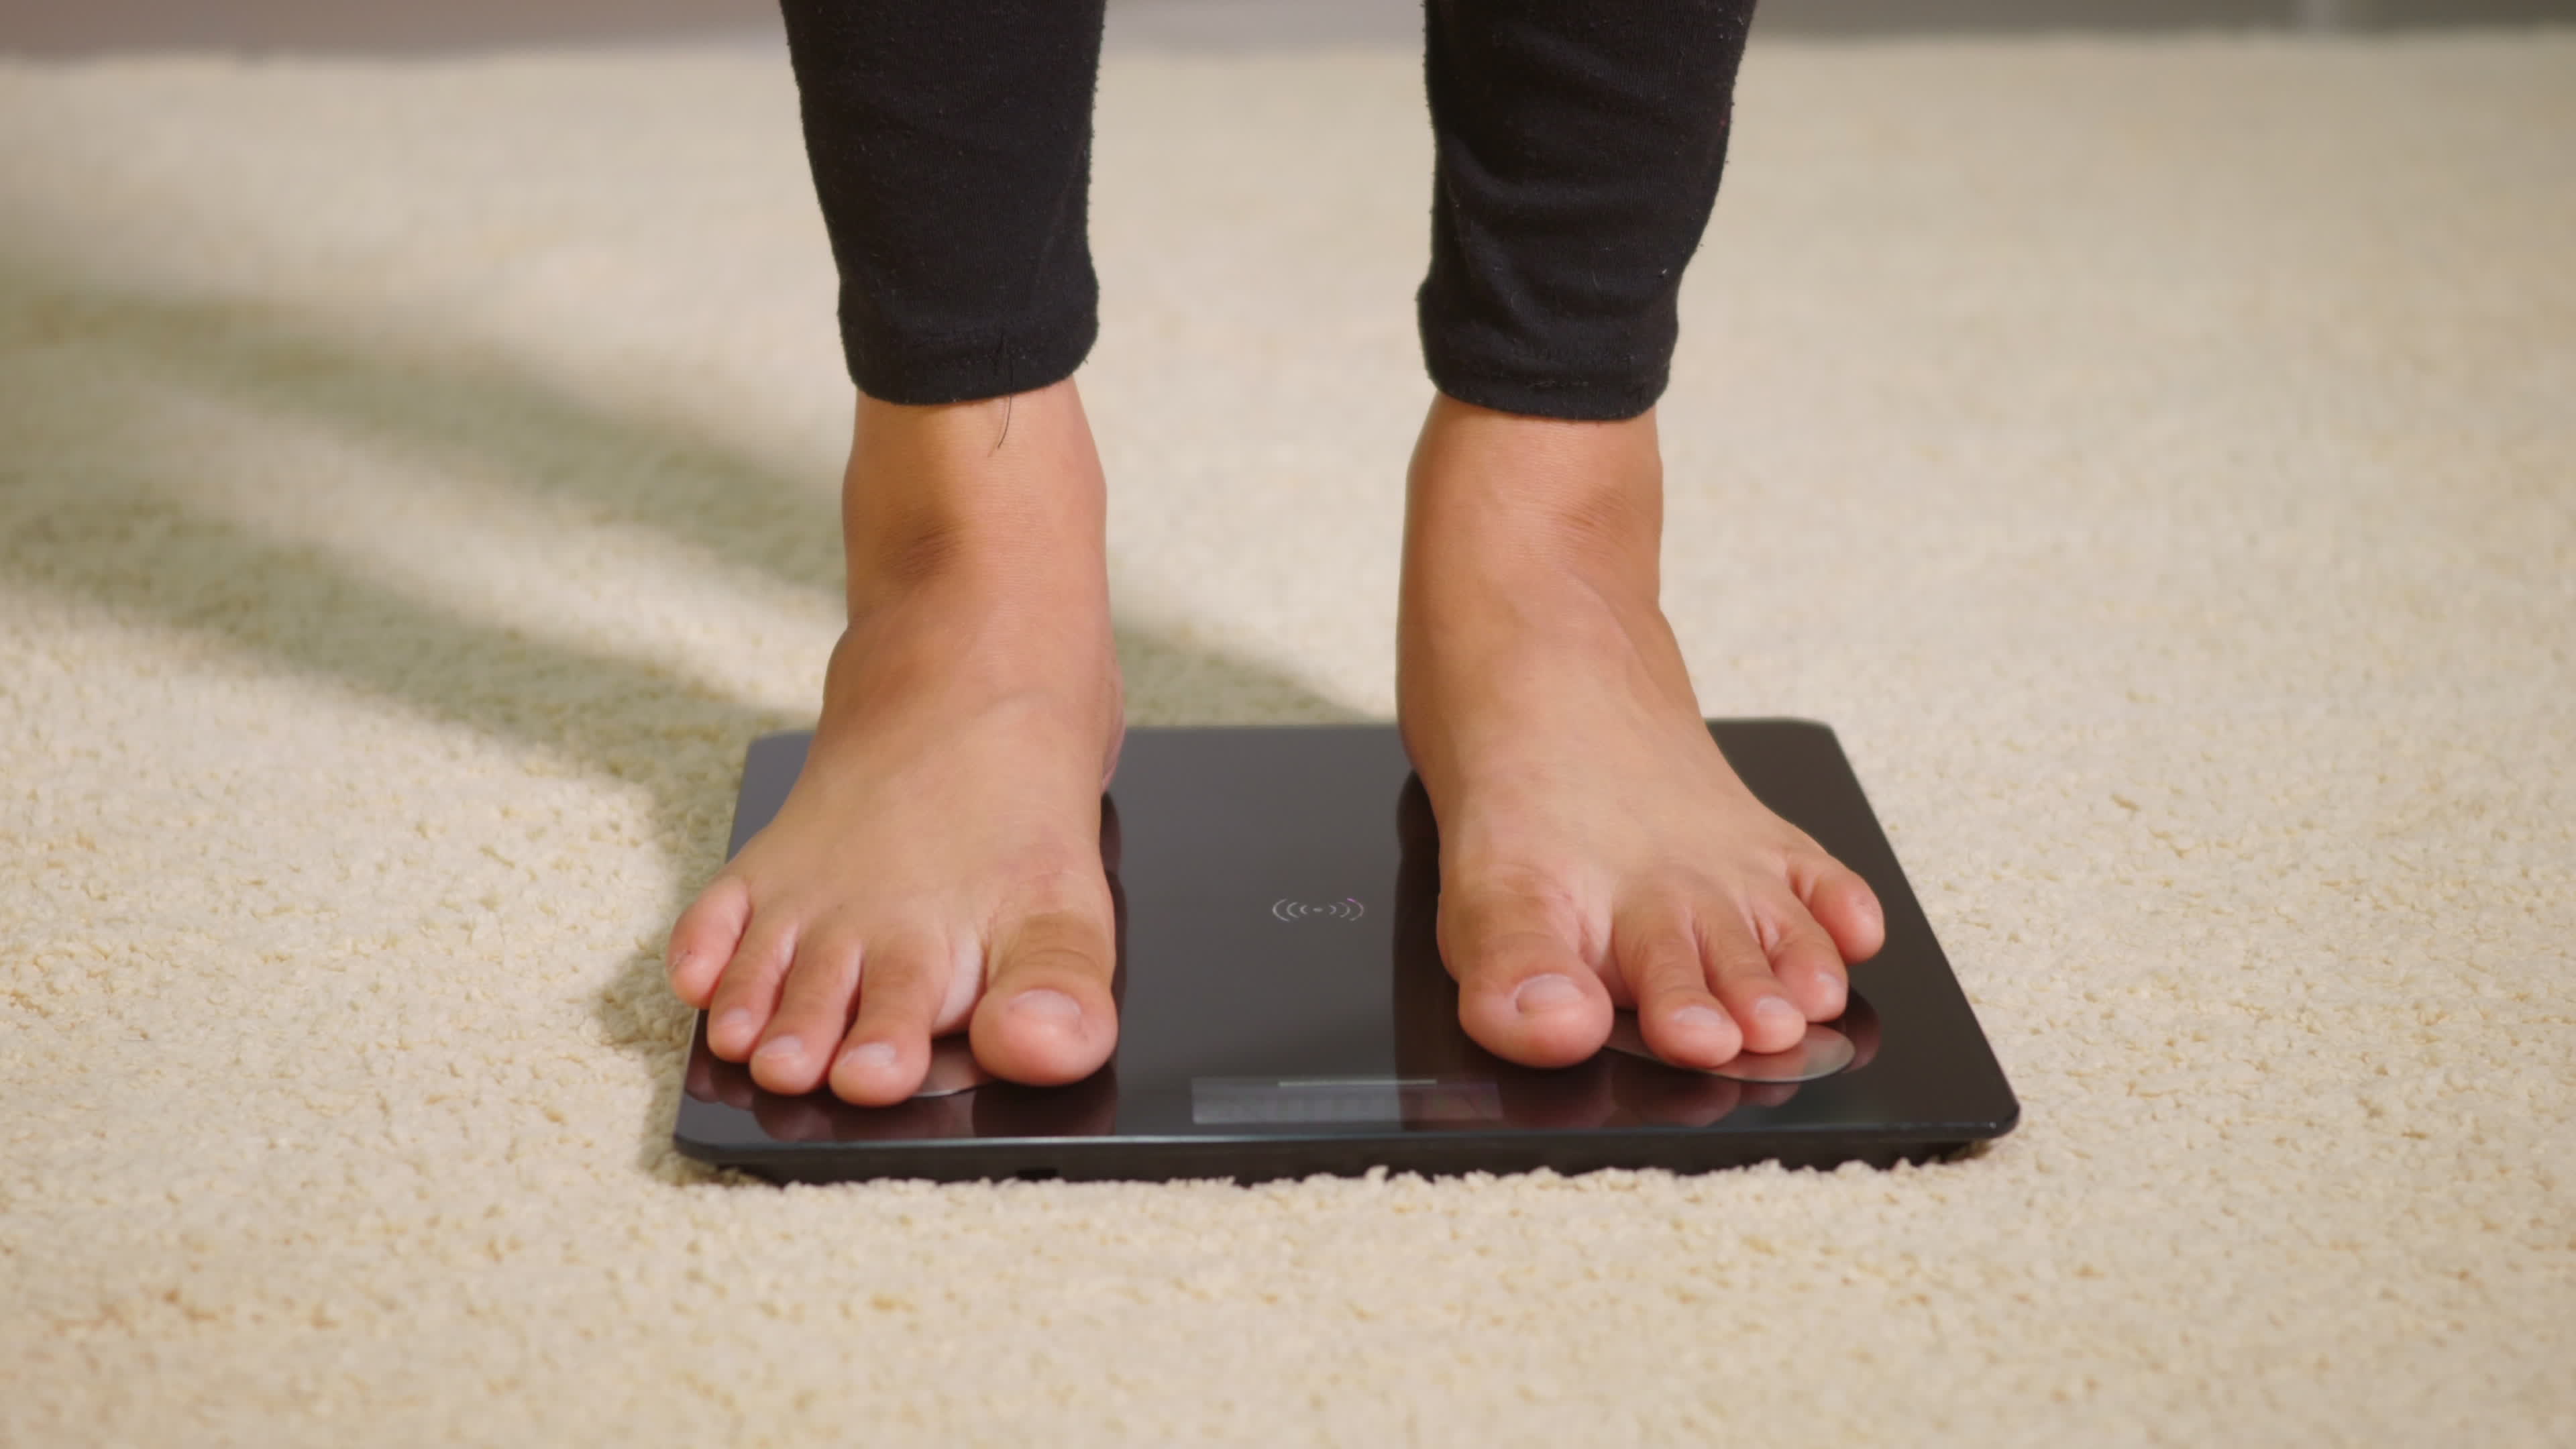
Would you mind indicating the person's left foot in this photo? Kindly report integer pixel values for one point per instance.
(1597, 851)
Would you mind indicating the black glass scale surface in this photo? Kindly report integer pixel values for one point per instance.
(1283, 1009)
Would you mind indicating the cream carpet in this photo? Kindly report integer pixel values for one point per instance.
(2157, 459)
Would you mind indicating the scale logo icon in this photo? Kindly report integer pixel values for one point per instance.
(1347, 908)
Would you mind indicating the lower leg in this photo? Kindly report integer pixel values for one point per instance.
(1596, 849)
(937, 866)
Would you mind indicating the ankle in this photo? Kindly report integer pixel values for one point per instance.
(999, 495)
(1535, 516)
(1527, 499)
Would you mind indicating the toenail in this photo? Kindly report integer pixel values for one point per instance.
(1054, 1005)
(1546, 993)
(779, 1049)
(735, 1022)
(1777, 1009)
(1699, 1017)
(873, 1055)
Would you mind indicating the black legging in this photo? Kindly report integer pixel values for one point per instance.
(1579, 144)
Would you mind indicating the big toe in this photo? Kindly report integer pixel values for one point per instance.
(1523, 993)
(1047, 1017)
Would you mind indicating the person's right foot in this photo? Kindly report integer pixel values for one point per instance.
(937, 863)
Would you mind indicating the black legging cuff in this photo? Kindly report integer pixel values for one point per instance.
(951, 147)
(898, 366)
(1577, 151)
(1605, 397)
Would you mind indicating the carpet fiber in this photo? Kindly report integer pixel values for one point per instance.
(2155, 458)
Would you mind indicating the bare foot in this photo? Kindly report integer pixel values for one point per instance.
(937, 865)
(1597, 851)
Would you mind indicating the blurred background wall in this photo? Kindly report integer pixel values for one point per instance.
(77, 27)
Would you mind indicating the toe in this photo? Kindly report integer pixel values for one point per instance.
(705, 937)
(1740, 971)
(1680, 1018)
(887, 1050)
(1805, 961)
(813, 1011)
(747, 993)
(1524, 993)
(1843, 904)
(1046, 1017)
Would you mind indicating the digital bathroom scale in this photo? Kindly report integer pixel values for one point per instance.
(1283, 1009)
